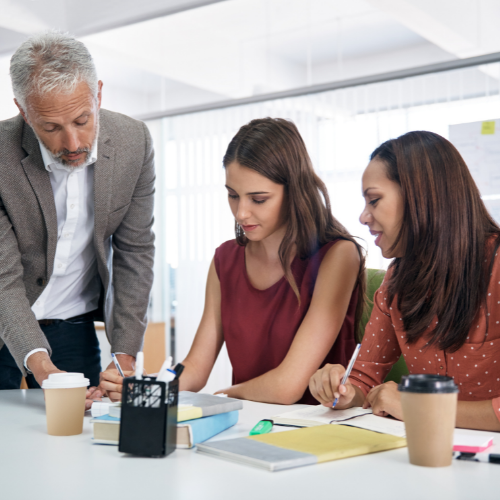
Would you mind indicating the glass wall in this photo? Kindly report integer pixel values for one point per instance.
(340, 128)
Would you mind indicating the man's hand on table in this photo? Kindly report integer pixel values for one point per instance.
(110, 384)
(41, 366)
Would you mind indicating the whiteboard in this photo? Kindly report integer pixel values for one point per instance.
(479, 145)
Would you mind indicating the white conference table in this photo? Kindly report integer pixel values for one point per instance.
(36, 466)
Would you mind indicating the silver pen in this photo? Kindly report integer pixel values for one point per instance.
(118, 367)
(348, 371)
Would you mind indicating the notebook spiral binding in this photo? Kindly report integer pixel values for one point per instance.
(148, 425)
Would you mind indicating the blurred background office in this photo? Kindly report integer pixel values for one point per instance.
(350, 74)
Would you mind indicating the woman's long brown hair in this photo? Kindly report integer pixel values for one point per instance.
(274, 148)
(445, 236)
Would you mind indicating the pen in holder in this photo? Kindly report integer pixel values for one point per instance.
(148, 423)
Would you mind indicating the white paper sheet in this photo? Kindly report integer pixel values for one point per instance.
(378, 424)
(320, 415)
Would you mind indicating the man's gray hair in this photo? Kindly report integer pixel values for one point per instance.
(51, 61)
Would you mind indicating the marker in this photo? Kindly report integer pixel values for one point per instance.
(178, 370)
(118, 367)
(139, 365)
(492, 458)
(348, 371)
(262, 427)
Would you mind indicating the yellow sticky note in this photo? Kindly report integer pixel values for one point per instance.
(488, 128)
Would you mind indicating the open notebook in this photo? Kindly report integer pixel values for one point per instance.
(355, 417)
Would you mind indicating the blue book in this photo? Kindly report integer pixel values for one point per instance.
(192, 432)
(189, 432)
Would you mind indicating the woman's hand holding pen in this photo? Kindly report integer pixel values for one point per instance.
(325, 385)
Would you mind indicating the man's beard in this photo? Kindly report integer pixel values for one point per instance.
(58, 157)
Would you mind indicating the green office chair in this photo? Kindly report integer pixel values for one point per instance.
(374, 279)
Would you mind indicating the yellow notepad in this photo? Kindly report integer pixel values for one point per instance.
(308, 446)
(331, 442)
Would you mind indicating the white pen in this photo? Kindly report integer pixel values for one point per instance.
(348, 371)
(139, 365)
(118, 367)
(167, 376)
(165, 366)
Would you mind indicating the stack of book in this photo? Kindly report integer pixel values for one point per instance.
(199, 417)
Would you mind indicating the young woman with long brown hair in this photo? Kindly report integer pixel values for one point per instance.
(284, 294)
(439, 304)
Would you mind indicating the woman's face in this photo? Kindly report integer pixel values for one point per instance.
(383, 212)
(256, 202)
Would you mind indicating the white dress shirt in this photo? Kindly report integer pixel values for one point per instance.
(74, 287)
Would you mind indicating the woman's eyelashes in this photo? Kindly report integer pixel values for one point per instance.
(373, 203)
(257, 201)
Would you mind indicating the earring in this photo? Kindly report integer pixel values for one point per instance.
(238, 230)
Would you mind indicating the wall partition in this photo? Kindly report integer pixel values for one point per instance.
(340, 127)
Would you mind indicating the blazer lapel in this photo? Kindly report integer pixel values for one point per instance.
(40, 182)
(103, 177)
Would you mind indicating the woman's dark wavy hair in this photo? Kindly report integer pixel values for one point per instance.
(445, 234)
(274, 148)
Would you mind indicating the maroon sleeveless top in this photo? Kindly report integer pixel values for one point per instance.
(260, 325)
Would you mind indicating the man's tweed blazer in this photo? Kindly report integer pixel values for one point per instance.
(123, 238)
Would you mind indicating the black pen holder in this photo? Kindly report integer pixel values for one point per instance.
(148, 422)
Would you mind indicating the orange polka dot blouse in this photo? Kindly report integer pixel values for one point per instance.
(475, 367)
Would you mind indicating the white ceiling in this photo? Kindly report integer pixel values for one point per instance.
(80, 17)
(163, 54)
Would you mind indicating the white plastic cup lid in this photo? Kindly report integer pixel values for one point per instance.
(65, 381)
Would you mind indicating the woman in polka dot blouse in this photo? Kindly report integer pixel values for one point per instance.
(439, 304)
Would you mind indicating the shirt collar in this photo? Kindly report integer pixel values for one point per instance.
(50, 162)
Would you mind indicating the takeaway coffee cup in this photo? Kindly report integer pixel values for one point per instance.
(65, 403)
(429, 405)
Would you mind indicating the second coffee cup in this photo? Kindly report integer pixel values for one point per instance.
(429, 404)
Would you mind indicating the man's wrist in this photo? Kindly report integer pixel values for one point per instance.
(40, 363)
(25, 362)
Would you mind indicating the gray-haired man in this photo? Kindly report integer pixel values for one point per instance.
(76, 215)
